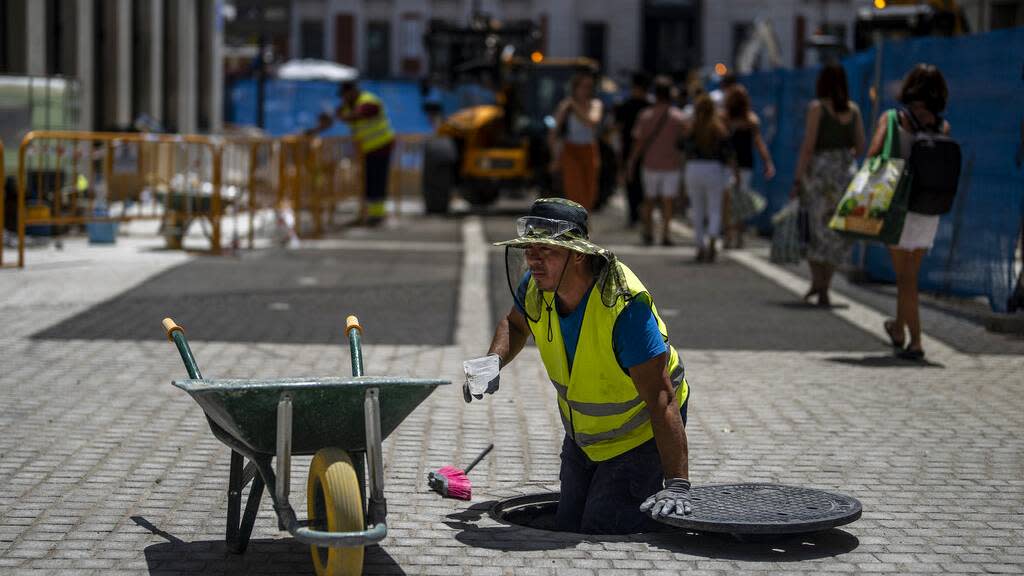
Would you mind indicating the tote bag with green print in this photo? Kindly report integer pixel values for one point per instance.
(874, 205)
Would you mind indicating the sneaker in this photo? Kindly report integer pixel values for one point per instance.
(666, 241)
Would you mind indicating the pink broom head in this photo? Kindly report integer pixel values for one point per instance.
(451, 482)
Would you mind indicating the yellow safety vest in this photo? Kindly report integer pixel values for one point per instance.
(598, 402)
(371, 133)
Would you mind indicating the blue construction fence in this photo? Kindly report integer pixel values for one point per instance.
(292, 106)
(975, 246)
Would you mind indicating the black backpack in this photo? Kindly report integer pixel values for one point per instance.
(935, 167)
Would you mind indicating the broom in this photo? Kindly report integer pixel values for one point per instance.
(452, 482)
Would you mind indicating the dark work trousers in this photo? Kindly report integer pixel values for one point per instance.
(605, 497)
(375, 176)
(634, 196)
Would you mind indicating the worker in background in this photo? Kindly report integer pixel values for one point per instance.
(620, 385)
(372, 132)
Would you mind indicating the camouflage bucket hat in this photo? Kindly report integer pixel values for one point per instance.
(556, 222)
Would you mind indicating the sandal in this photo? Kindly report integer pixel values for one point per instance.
(810, 294)
(915, 354)
(890, 329)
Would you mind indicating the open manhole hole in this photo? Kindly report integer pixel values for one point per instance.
(738, 509)
(533, 510)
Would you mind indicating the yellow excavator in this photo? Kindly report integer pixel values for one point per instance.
(484, 150)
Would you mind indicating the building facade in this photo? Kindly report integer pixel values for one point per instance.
(161, 58)
(384, 38)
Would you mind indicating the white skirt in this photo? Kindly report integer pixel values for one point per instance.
(918, 231)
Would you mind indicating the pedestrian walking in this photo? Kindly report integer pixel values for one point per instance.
(923, 95)
(657, 133)
(725, 83)
(366, 116)
(745, 128)
(709, 158)
(833, 138)
(573, 141)
(626, 114)
(620, 384)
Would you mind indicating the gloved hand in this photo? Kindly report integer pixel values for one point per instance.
(480, 370)
(673, 498)
(492, 387)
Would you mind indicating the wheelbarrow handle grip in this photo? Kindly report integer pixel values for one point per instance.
(170, 327)
(176, 334)
(352, 322)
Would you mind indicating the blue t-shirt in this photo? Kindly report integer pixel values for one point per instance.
(635, 337)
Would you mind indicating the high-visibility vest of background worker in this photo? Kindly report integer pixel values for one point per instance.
(367, 119)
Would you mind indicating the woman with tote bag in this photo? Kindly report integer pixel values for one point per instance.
(924, 94)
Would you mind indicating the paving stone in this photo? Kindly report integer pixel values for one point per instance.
(106, 468)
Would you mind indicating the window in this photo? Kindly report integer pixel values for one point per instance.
(594, 35)
(378, 48)
(1004, 15)
(740, 34)
(312, 39)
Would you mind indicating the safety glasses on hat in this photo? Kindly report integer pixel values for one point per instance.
(543, 227)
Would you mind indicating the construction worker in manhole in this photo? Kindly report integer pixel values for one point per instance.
(367, 118)
(620, 385)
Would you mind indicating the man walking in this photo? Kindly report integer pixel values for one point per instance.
(656, 135)
(626, 114)
(620, 385)
(371, 130)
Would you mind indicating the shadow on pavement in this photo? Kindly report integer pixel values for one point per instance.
(784, 548)
(802, 305)
(885, 361)
(265, 555)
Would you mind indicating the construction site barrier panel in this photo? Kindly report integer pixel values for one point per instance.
(70, 178)
(974, 250)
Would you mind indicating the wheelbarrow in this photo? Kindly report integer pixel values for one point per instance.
(340, 421)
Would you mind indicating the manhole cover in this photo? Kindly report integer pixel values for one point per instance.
(765, 509)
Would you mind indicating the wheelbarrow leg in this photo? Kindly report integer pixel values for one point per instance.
(252, 507)
(238, 532)
(234, 497)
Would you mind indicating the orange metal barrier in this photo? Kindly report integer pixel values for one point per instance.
(3, 202)
(73, 172)
(406, 177)
(317, 174)
(338, 174)
(249, 176)
(63, 176)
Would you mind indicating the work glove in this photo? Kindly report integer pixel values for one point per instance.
(478, 372)
(673, 498)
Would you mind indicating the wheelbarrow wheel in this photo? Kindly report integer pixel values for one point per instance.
(335, 504)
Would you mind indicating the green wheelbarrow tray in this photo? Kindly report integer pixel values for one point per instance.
(326, 411)
(269, 421)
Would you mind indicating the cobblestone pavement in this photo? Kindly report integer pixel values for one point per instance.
(106, 468)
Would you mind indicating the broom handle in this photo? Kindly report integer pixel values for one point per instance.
(479, 458)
